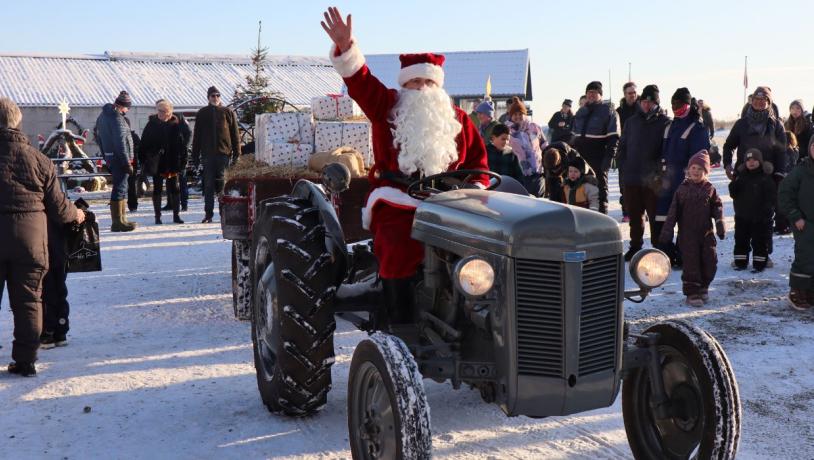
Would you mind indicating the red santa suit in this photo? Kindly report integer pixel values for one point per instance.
(389, 210)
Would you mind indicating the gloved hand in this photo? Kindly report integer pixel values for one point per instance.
(720, 229)
(729, 173)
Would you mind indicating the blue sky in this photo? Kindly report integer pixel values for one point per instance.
(698, 44)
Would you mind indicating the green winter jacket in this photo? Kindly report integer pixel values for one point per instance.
(796, 190)
(795, 202)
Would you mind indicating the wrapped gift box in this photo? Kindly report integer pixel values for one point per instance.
(330, 135)
(334, 107)
(286, 154)
(276, 128)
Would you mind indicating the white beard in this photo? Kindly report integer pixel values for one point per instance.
(425, 130)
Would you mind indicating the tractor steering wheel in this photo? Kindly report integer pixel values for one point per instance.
(450, 180)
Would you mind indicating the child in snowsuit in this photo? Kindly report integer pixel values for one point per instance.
(797, 203)
(695, 205)
(580, 187)
(754, 194)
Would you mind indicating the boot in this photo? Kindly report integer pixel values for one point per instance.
(157, 209)
(122, 206)
(630, 253)
(116, 211)
(398, 299)
(798, 299)
(176, 207)
(22, 369)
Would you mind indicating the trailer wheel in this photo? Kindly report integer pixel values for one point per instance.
(705, 404)
(388, 414)
(293, 323)
(241, 280)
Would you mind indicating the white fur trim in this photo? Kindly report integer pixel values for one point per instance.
(424, 70)
(390, 195)
(349, 62)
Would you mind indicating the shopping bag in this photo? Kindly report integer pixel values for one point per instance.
(82, 243)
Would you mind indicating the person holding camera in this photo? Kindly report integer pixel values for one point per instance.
(31, 197)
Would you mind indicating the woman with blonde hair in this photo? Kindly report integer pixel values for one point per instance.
(164, 153)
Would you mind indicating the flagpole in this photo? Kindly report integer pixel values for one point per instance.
(610, 85)
(745, 78)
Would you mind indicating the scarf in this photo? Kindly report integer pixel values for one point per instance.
(682, 112)
(757, 121)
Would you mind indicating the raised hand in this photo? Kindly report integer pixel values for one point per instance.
(337, 29)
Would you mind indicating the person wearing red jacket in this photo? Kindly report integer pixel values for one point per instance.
(416, 131)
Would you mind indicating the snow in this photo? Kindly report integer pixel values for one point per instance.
(155, 352)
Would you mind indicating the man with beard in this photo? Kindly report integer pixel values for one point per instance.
(596, 131)
(416, 131)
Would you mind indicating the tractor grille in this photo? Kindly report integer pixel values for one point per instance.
(597, 326)
(539, 318)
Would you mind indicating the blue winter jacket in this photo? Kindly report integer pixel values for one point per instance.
(113, 137)
(683, 138)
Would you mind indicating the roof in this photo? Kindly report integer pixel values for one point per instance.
(94, 80)
(36, 79)
(466, 72)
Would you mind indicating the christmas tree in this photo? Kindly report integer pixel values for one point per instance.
(254, 97)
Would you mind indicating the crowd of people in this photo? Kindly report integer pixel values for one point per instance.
(162, 153)
(663, 165)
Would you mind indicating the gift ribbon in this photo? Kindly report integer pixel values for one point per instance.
(336, 98)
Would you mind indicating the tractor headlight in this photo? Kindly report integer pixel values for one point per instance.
(474, 276)
(650, 268)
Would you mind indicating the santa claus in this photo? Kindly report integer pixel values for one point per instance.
(417, 131)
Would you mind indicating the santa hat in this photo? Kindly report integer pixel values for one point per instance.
(424, 65)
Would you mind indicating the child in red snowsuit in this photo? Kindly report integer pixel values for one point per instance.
(695, 205)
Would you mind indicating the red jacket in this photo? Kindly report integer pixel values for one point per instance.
(377, 102)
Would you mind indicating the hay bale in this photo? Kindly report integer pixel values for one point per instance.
(247, 167)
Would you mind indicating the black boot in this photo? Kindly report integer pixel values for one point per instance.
(157, 208)
(175, 198)
(398, 300)
(22, 369)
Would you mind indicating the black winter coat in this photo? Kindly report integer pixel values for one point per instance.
(562, 133)
(772, 143)
(641, 148)
(164, 144)
(754, 193)
(625, 112)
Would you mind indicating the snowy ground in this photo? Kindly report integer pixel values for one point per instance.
(167, 372)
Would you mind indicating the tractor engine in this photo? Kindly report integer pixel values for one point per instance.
(542, 283)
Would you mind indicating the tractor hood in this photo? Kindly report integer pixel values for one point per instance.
(515, 226)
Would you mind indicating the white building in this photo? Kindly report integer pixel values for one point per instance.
(38, 82)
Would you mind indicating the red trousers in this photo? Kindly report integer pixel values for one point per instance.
(399, 255)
